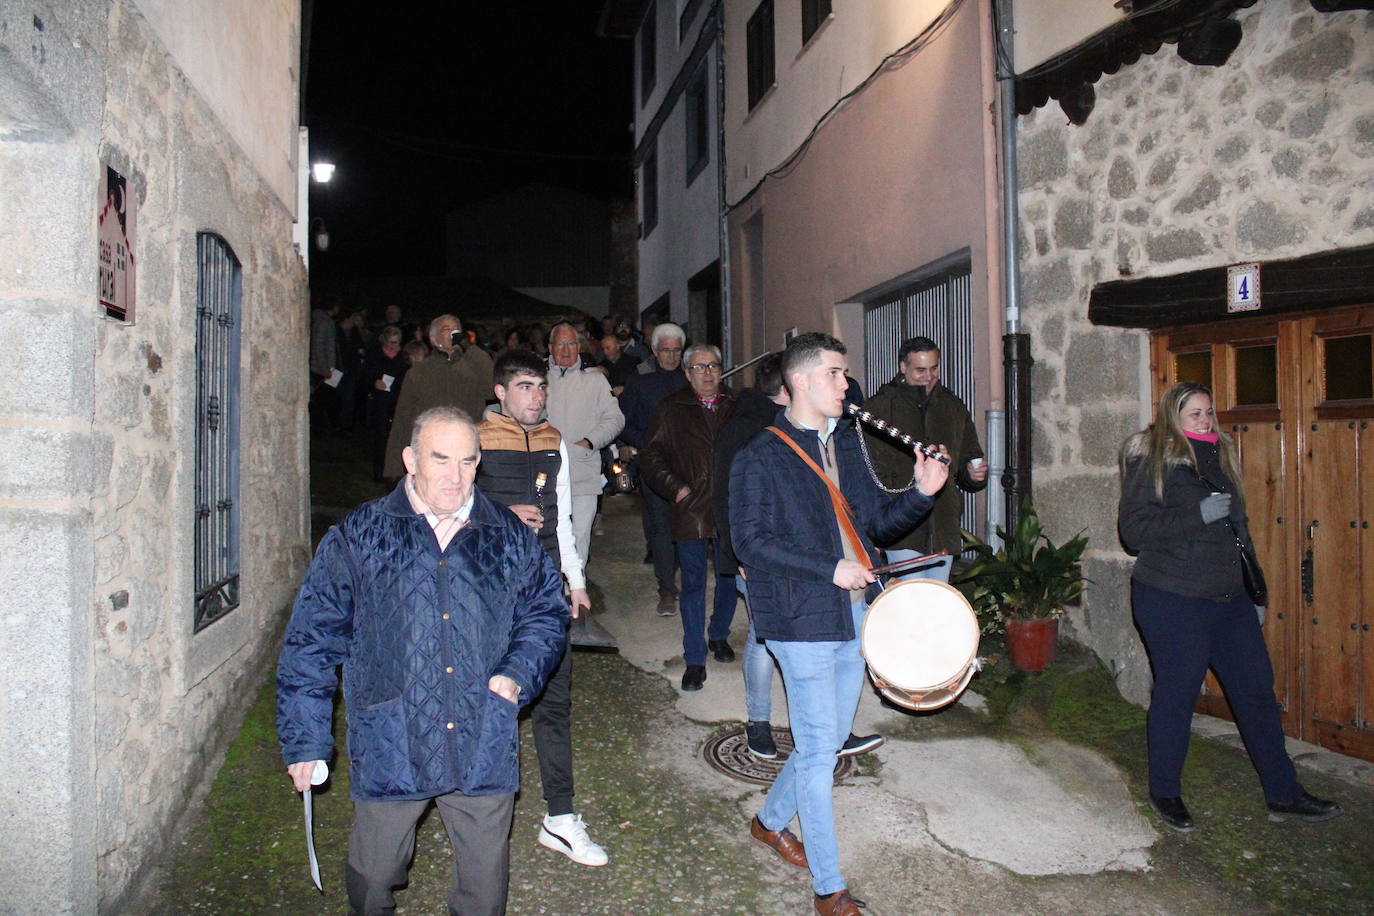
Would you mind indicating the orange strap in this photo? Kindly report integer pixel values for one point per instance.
(843, 514)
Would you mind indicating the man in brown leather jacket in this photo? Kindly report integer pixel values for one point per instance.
(677, 462)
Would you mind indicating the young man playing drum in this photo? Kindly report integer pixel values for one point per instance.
(804, 516)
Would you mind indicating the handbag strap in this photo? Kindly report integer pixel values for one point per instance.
(843, 514)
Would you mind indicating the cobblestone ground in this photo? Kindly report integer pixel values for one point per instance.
(676, 831)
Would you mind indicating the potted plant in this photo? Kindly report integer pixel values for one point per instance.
(1022, 587)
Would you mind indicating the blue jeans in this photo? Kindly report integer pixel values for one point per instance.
(939, 573)
(691, 557)
(758, 668)
(824, 681)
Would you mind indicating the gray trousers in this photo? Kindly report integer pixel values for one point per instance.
(383, 843)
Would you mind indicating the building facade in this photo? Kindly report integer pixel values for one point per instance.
(153, 507)
(861, 186)
(677, 161)
(1262, 153)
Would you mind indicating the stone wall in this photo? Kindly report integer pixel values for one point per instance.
(1177, 168)
(113, 715)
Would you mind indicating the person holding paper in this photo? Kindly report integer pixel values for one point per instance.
(383, 369)
(447, 615)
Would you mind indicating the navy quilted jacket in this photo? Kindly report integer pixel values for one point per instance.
(785, 534)
(419, 634)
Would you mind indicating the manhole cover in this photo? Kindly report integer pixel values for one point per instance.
(729, 753)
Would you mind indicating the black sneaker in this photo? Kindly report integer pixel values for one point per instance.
(856, 744)
(1173, 812)
(761, 740)
(694, 678)
(721, 650)
(1306, 808)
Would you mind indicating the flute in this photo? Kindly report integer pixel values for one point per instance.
(929, 451)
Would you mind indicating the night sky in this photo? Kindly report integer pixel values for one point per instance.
(424, 107)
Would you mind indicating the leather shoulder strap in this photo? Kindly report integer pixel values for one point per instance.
(843, 514)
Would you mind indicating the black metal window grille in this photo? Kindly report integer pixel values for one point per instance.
(697, 116)
(218, 329)
(940, 307)
(813, 14)
(759, 51)
(684, 20)
(648, 189)
(648, 53)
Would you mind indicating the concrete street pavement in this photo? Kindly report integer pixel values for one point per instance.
(1030, 802)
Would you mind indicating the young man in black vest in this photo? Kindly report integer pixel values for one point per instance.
(525, 468)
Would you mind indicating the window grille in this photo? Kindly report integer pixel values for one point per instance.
(698, 124)
(938, 306)
(648, 54)
(814, 12)
(218, 328)
(759, 51)
(648, 190)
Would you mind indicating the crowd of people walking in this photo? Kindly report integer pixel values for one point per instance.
(448, 602)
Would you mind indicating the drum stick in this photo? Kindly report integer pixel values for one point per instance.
(911, 565)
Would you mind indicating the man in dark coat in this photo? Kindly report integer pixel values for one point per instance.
(678, 463)
(916, 403)
(446, 615)
(810, 559)
(456, 374)
(644, 389)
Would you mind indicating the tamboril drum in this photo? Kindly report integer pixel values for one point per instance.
(920, 640)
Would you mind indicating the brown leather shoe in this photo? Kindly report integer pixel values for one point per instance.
(787, 846)
(840, 903)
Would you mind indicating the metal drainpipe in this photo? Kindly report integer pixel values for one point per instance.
(1016, 355)
(727, 322)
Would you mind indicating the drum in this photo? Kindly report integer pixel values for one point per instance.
(920, 640)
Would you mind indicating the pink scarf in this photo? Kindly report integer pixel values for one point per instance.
(1211, 437)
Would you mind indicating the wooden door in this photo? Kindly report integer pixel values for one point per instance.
(1298, 397)
(1336, 477)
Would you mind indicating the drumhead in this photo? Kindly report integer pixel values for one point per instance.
(919, 634)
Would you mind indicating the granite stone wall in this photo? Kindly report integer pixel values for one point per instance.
(1177, 168)
(113, 714)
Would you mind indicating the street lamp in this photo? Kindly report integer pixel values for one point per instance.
(322, 172)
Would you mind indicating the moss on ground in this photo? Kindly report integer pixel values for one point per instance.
(672, 846)
(1293, 868)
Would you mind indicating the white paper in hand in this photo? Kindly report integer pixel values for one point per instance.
(335, 376)
(387, 380)
(319, 776)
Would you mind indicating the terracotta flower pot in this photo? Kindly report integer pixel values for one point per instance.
(1032, 644)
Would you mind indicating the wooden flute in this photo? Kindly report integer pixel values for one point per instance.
(883, 426)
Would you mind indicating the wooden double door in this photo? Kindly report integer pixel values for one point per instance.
(1298, 396)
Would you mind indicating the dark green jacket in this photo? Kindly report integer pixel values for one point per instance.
(940, 419)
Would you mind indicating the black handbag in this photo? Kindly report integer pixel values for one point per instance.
(1252, 575)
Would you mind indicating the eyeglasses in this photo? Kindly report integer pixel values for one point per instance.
(704, 367)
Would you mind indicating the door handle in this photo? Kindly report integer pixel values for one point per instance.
(1307, 595)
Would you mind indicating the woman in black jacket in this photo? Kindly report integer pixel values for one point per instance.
(1182, 511)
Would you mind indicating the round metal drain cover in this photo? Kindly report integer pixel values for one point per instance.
(729, 753)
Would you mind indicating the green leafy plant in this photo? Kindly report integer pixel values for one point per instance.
(1028, 577)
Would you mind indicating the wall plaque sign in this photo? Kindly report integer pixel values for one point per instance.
(115, 251)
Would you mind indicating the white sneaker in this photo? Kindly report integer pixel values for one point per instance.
(567, 834)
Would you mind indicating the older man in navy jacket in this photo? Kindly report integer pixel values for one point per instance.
(447, 615)
(809, 561)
